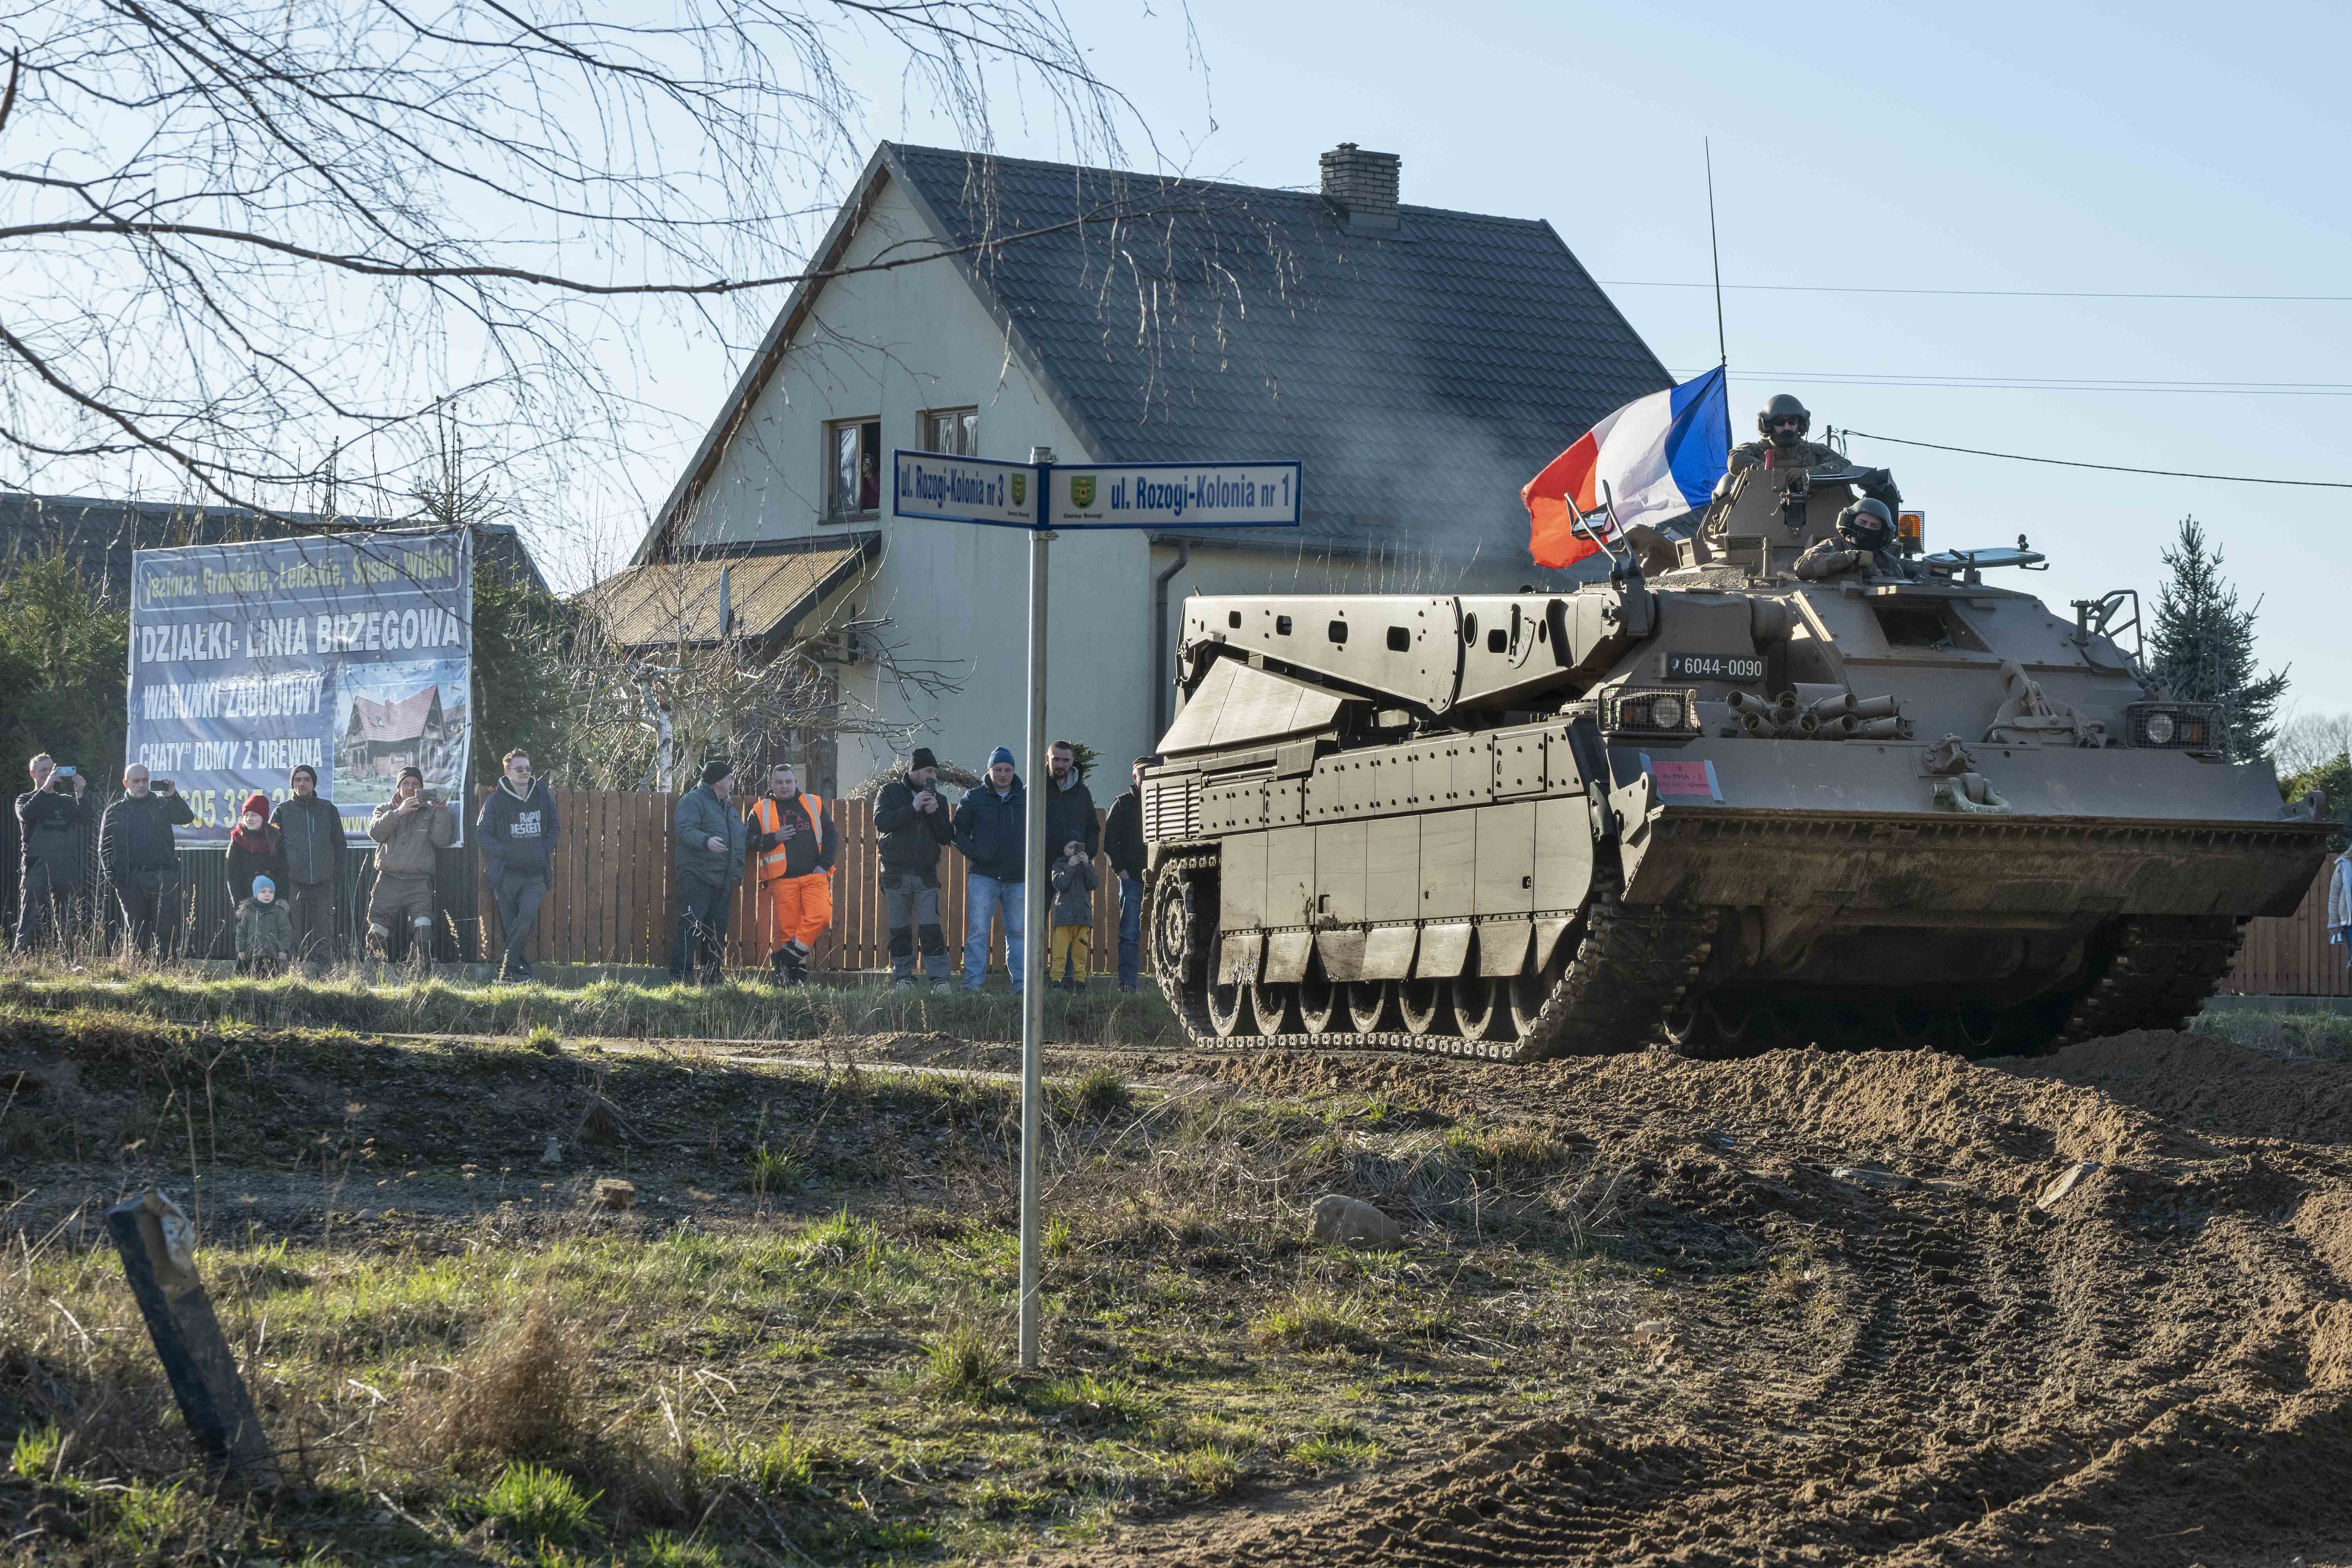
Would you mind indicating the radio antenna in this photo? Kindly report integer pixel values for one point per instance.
(1723, 355)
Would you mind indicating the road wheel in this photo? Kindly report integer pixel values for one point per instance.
(1278, 1009)
(1372, 1005)
(1482, 1006)
(1230, 1013)
(1426, 1007)
(1322, 1010)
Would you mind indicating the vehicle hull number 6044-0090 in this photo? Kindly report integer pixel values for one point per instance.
(1712, 667)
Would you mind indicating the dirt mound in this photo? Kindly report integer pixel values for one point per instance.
(1952, 1357)
(2200, 1081)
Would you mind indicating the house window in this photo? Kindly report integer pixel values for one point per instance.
(953, 432)
(853, 452)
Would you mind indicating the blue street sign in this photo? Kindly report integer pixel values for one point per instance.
(1172, 495)
(964, 489)
(1151, 496)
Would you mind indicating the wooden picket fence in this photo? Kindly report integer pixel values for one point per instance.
(614, 897)
(2291, 956)
(613, 901)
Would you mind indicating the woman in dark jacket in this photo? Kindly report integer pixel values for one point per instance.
(256, 848)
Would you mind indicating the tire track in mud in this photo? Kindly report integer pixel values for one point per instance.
(2156, 1368)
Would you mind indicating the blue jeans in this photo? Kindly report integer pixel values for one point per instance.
(1130, 931)
(703, 909)
(984, 897)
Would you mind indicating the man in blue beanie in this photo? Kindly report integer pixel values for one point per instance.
(991, 833)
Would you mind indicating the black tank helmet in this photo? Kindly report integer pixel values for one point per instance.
(1782, 406)
(1867, 525)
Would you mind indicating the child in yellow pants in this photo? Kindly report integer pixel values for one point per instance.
(1071, 951)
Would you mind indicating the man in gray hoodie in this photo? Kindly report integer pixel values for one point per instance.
(709, 841)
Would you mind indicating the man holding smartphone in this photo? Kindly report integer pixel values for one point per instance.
(408, 830)
(142, 858)
(49, 819)
(912, 821)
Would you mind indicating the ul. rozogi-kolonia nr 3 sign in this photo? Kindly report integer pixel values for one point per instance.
(351, 652)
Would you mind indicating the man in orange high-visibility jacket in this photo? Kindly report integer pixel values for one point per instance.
(793, 841)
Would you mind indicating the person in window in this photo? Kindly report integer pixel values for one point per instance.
(870, 482)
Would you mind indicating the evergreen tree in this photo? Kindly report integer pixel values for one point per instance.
(63, 650)
(523, 644)
(2201, 647)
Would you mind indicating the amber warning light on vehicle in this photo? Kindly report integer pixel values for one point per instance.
(1911, 530)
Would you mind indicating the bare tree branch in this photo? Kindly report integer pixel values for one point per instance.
(264, 246)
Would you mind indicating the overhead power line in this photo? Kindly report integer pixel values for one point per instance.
(2049, 384)
(2109, 467)
(1983, 293)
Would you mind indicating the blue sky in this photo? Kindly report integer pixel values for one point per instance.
(2159, 149)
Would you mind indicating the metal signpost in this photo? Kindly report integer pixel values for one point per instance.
(1044, 497)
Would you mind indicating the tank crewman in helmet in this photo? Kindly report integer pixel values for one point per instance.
(1784, 424)
(1864, 543)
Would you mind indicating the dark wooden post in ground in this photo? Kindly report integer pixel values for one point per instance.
(158, 1245)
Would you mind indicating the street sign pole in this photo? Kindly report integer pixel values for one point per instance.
(1146, 497)
(1033, 906)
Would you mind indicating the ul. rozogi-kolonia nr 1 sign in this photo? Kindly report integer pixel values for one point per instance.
(350, 652)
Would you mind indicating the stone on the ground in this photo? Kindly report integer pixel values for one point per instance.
(2068, 1179)
(1355, 1223)
(1864, 1177)
(612, 1193)
(553, 1153)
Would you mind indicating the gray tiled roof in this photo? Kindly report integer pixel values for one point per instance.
(1423, 373)
(98, 535)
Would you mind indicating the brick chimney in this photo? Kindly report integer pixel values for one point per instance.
(1362, 186)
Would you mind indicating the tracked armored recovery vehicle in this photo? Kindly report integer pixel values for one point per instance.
(1704, 803)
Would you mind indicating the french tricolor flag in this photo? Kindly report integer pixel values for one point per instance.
(1660, 457)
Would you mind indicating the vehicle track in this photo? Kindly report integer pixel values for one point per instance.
(2156, 1367)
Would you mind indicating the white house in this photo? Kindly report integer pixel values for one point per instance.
(1422, 363)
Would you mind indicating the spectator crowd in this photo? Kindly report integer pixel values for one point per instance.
(287, 868)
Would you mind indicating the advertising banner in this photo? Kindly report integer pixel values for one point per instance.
(351, 653)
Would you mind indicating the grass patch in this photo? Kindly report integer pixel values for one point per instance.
(784, 1466)
(816, 1380)
(1335, 1446)
(839, 1240)
(1099, 1094)
(1314, 1318)
(358, 998)
(772, 1171)
(2314, 1036)
(538, 1505)
(1211, 1470)
(965, 1362)
(1087, 1399)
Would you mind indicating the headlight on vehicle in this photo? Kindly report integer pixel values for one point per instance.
(2174, 726)
(1649, 709)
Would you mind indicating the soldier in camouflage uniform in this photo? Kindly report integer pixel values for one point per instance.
(1864, 543)
(1783, 423)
